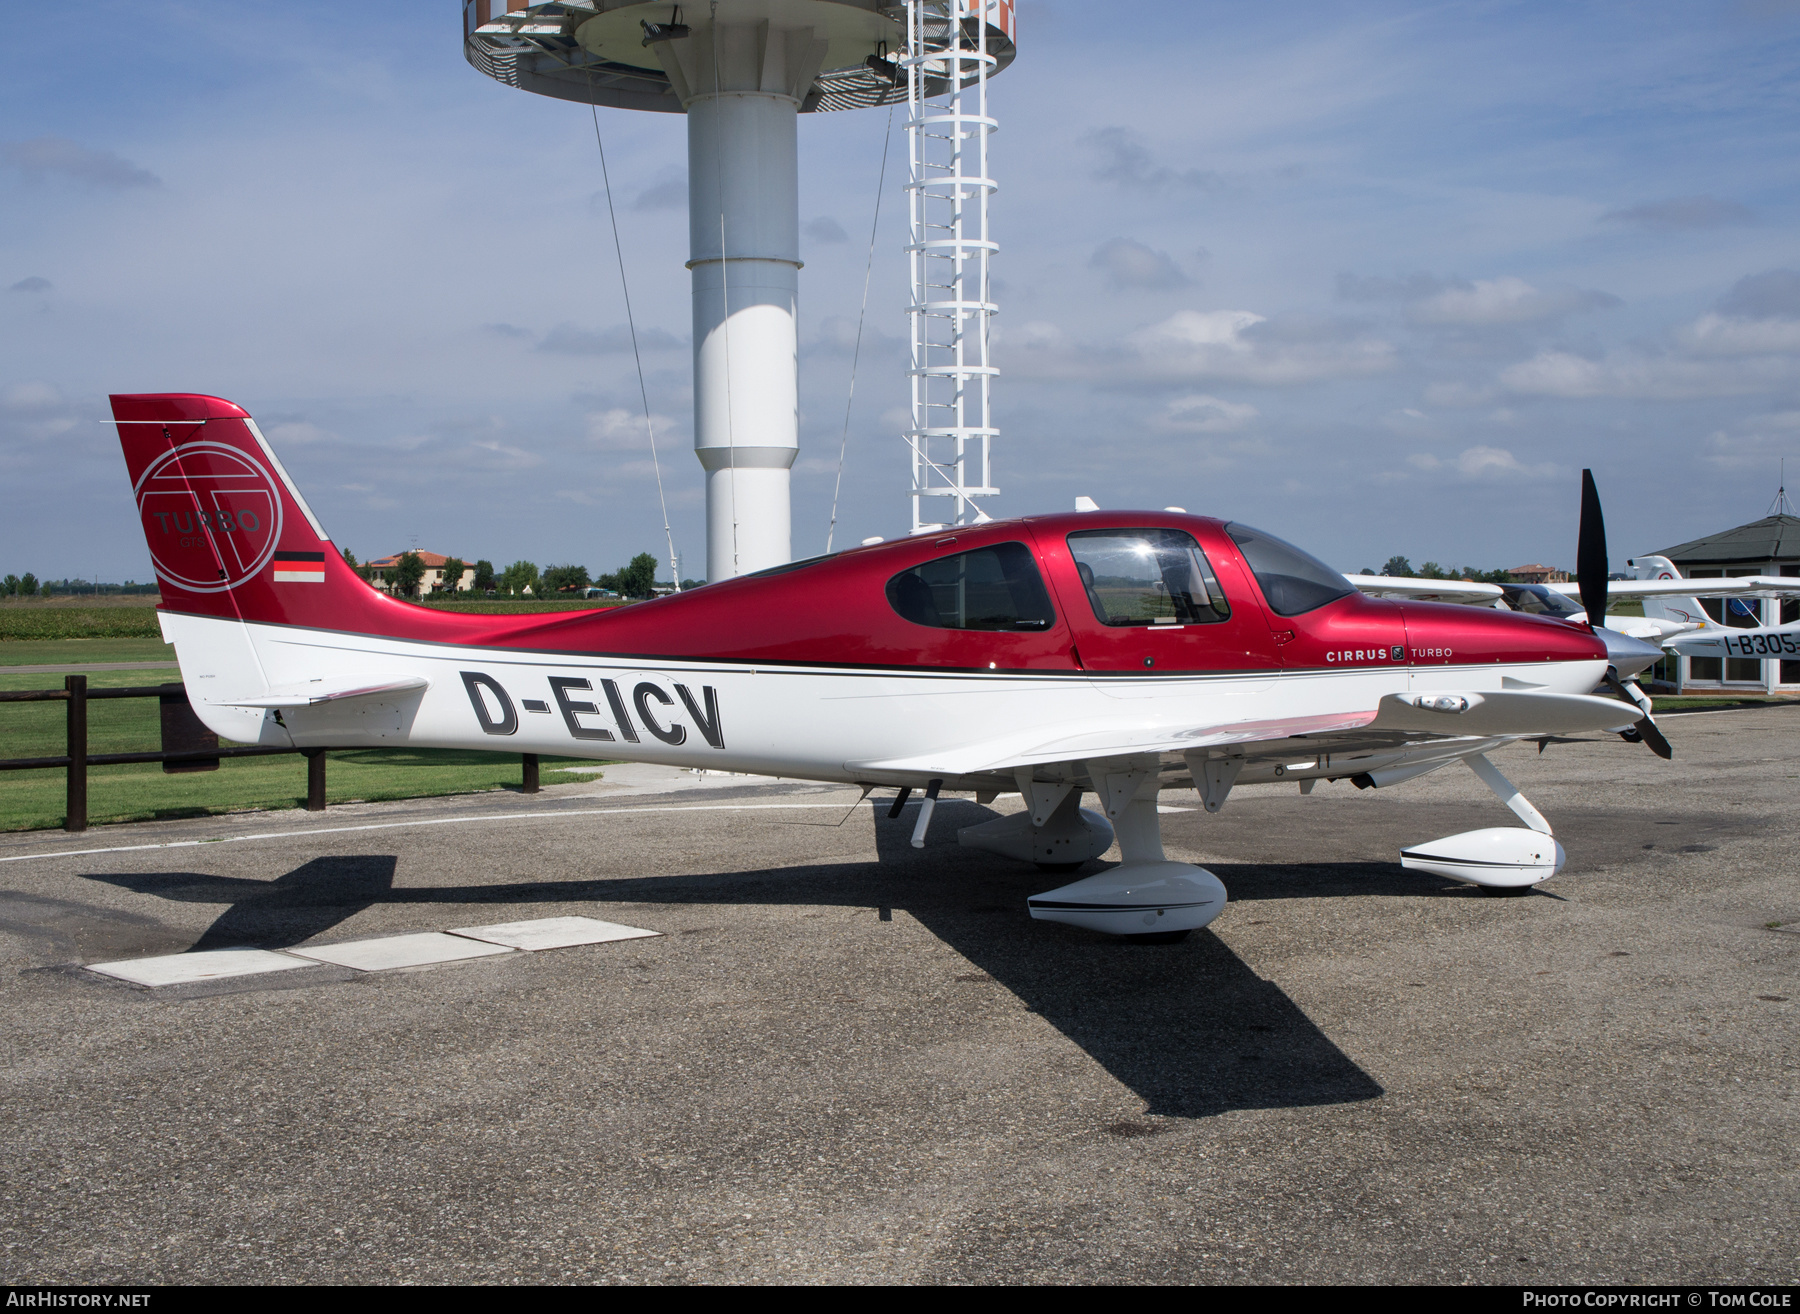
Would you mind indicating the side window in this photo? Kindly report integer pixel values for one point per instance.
(991, 588)
(1147, 577)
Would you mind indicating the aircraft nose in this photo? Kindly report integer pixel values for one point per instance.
(1626, 655)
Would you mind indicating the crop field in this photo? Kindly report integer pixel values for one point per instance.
(35, 621)
(33, 800)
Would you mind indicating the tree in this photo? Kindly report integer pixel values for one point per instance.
(565, 579)
(28, 585)
(453, 573)
(9, 585)
(518, 577)
(687, 584)
(637, 579)
(484, 576)
(1431, 570)
(407, 573)
(1398, 567)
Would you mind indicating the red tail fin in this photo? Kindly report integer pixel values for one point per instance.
(228, 532)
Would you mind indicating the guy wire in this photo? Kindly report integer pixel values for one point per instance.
(862, 314)
(631, 323)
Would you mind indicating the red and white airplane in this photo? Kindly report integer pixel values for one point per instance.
(1115, 654)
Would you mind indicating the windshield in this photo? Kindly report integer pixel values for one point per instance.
(1537, 600)
(1293, 581)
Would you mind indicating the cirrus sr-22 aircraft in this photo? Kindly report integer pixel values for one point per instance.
(1102, 654)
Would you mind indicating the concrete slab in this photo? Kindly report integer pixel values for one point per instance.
(208, 965)
(400, 951)
(554, 933)
(626, 779)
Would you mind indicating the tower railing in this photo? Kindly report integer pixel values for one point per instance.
(946, 65)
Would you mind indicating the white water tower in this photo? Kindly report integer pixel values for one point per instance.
(742, 70)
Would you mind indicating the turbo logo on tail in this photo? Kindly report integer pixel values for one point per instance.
(211, 515)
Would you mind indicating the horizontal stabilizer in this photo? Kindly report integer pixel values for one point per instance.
(314, 692)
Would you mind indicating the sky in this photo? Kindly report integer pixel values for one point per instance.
(1380, 278)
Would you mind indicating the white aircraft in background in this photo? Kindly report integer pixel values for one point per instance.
(1673, 616)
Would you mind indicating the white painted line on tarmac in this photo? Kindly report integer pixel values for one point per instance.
(400, 951)
(553, 933)
(401, 825)
(207, 965)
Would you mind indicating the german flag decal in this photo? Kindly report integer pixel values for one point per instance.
(299, 567)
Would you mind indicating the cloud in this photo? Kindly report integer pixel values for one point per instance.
(299, 433)
(507, 331)
(1761, 296)
(1129, 263)
(1200, 413)
(1758, 442)
(1505, 300)
(1751, 344)
(574, 341)
(1235, 345)
(1720, 335)
(34, 411)
(43, 156)
(1481, 303)
(669, 195)
(1681, 213)
(32, 284)
(837, 337)
(30, 399)
(1647, 376)
(618, 429)
(825, 229)
(1482, 464)
(1405, 287)
(1126, 161)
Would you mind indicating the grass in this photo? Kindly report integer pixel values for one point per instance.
(63, 652)
(33, 800)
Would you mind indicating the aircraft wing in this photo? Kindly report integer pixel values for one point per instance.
(1399, 719)
(1428, 590)
(1741, 586)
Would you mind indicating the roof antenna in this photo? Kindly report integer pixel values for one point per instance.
(1781, 506)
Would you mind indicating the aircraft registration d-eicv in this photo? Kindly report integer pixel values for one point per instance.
(1098, 655)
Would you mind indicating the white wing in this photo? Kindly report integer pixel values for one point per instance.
(1428, 590)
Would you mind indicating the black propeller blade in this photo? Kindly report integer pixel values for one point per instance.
(1644, 729)
(1590, 553)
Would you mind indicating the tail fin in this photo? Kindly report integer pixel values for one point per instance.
(228, 532)
(1668, 607)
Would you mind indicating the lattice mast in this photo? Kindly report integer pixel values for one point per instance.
(949, 55)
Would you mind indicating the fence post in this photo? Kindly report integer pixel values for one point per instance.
(531, 772)
(315, 780)
(75, 806)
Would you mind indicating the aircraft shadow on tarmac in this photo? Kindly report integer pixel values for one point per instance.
(1188, 1027)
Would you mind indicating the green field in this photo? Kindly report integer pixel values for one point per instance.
(39, 621)
(33, 800)
(56, 652)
